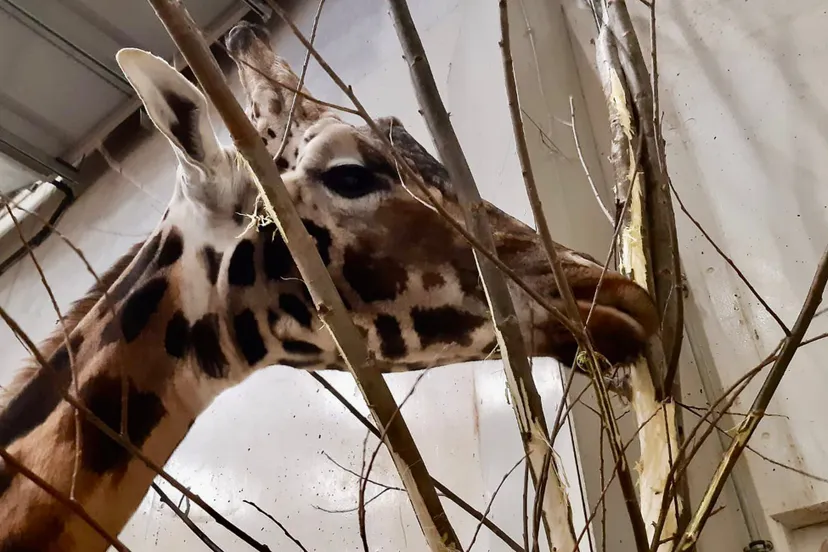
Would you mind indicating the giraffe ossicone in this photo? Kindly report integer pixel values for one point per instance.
(204, 301)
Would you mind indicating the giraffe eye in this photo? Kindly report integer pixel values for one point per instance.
(352, 181)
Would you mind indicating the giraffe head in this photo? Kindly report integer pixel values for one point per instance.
(410, 281)
(208, 298)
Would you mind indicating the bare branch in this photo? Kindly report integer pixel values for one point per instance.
(584, 165)
(280, 525)
(445, 491)
(15, 465)
(729, 261)
(590, 358)
(279, 207)
(202, 536)
(764, 457)
(760, 404)
(288, 87)
(526, 400)
(299, 86)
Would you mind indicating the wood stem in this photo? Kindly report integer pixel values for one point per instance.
(277, 202)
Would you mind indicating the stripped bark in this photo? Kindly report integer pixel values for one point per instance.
(662, 240)
(526, 401)
(658, 440)
(277, 203)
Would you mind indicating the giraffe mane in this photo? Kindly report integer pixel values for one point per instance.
(77, 311)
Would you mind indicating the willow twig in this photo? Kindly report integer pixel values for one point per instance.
(280, 525)
(299, 86)
(584, 165)
(286, 86)
(526, 400)
(760, 404)
(492, 499)
(604, 401)
(279, 207)
(15, 465)
(730, 262)
(202, 536)
(93, 419)
(445, 491)
(764, 457)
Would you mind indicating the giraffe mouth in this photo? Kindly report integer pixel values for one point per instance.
(244, 35)
(621, 319)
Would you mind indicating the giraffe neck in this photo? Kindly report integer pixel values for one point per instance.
(185, 328)
(167, 389)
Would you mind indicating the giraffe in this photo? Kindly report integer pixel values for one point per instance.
(207, 300)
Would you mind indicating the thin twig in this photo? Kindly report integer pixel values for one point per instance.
(492, 499)
(729, 261)
(757, 453)
(526, 399)
(361, 515)
(14, 465)
(202, 536)
(352, 472)
(287, 87)
(66, 342)
(366, 469)
(357, 507)
(624, 475)
(278, 205)
(445, 491)
(299, 86)
(120, 440)
(280, 525)
(760, 404)
(584, 165)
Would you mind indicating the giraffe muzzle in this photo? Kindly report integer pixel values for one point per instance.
(241, 37)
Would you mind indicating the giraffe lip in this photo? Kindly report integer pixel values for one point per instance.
(624, 296)
(241, 37)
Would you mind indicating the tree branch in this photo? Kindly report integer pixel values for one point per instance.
(526, 400)
(13, 464)
(445, 491)
(757, 410)
(278, 205)
(202, 536)
(591, 359)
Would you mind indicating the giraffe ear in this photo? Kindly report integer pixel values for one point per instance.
(176, 107)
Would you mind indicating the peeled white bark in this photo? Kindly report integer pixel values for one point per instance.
(657, 437)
